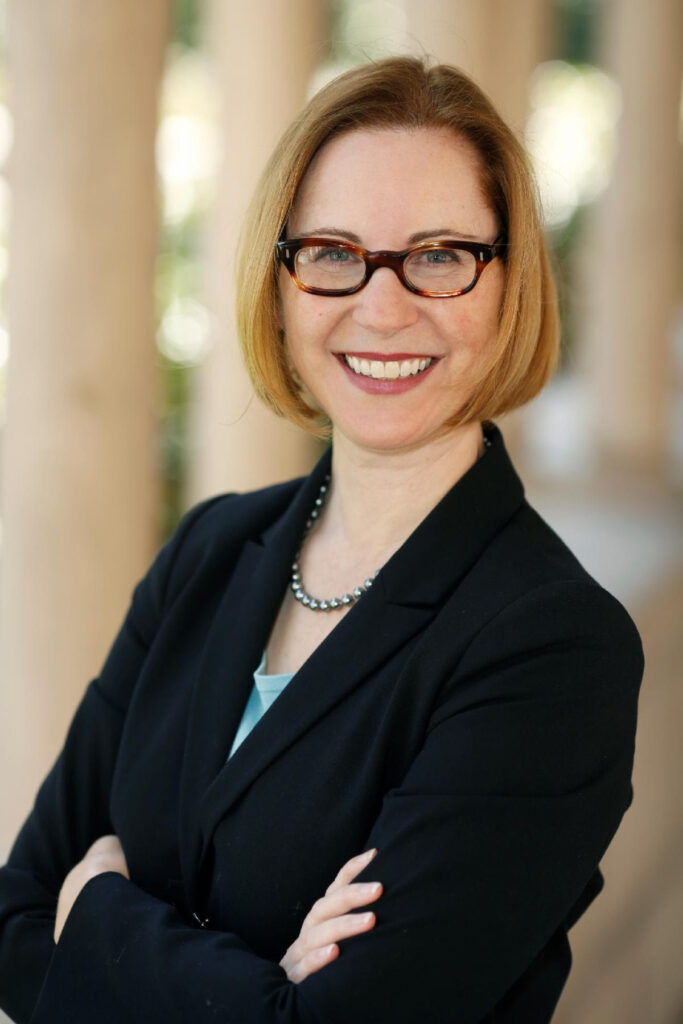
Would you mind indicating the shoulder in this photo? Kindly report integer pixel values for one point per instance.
(574, 615)
(551, 612)
(547, 679)
(210, 533)
(561, 590)
(528, 563)
(529, 599)
(226, 520)
(224, 516)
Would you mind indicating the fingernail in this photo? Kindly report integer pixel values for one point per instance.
(369, 853)
(370, 888)
(362, 920)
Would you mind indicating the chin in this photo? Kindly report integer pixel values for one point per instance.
(388, 437)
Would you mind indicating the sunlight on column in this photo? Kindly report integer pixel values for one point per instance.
(571, 134)
(6, 140)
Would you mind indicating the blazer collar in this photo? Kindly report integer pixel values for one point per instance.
(452, 536)
(406, 595)
(445, 544)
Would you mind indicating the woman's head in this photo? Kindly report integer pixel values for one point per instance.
(403, 95)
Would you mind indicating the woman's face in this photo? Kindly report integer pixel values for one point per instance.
(389, 190)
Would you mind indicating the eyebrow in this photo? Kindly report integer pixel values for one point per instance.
(418, 236)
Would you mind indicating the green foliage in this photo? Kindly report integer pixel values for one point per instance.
(575, 30)
(186, 20)
(564, 242)
(178, 276)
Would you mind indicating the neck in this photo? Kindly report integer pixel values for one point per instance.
(376, 499)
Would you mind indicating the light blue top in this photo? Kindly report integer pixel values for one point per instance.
(265, 690)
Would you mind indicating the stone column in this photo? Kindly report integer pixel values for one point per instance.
(80, 481)
(499, 44)
(263, 54)
(634, 276)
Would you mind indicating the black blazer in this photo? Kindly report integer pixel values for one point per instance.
(472, 716)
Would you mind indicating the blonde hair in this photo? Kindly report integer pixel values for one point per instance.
(405, 93)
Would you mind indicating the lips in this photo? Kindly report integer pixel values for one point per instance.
(386, 373)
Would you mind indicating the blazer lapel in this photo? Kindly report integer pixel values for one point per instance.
(447, 543)
(356, 647)
(405, 596)
(233, 650)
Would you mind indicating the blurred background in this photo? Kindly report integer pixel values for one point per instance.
(131, 135)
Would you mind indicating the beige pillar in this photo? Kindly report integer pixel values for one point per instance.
(263, 54)
(497, 42)
(635, 259)
(80, 489)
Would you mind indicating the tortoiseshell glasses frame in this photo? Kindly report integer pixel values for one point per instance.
(483, 253)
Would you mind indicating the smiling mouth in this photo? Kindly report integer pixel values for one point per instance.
(387, 369)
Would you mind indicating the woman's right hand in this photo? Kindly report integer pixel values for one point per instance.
(329, 920)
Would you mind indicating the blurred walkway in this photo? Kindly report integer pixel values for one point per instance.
(627, 948)
(630, 540)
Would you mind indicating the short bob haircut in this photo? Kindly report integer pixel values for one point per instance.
(405, 93)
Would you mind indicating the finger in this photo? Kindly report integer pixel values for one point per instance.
(355, 894)
(352, 868)
(312, 962)
(322, 942)
(321, 936)
(105, 844)
(338, 928)
(106, 854)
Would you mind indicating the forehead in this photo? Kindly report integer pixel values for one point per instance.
(394, 183)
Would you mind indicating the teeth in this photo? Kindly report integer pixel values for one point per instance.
(389, 370)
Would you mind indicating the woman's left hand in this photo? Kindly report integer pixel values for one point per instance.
(105, 854)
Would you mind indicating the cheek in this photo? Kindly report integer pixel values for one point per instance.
(296, 311)
(467, 330)
(479, 316)
(293, 349)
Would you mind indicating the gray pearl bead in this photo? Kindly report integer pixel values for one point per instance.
(296, 582)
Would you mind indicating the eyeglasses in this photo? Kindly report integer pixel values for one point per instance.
(324, 266)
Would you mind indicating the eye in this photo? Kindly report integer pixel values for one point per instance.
(328, 257)
(439, 257)
(333, 254)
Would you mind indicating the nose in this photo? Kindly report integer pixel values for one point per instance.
(384, 305)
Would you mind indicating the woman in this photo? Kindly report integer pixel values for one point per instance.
(464, 694)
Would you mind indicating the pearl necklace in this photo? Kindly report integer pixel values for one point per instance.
(328, 603)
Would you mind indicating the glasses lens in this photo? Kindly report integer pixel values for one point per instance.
(440, 270)
(329, 267)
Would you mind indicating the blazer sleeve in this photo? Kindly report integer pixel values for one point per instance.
(72, 806)
(483, 850)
